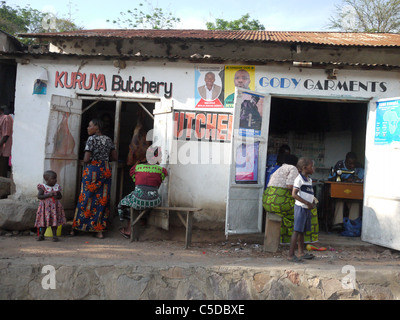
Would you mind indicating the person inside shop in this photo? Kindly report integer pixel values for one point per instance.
(274, 161)
(108, 125)
(346, 208)
(350, 163)
(139, 143)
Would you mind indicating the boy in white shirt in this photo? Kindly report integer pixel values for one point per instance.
(303, 193)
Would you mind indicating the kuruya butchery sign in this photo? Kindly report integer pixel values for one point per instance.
(99, 82)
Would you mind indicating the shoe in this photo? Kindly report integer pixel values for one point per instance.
(40, 238)
(295, 259)
(55, 239)
(308, 256)
(126, 236)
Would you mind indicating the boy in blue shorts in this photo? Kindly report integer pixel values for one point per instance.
(303, 194)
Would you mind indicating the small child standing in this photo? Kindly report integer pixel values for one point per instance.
(50, 212)
(303, 194)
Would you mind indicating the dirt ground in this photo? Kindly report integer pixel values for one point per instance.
(208, 247)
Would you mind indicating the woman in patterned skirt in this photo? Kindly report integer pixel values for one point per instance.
(93, 208)
(147, 176)
(278, 199)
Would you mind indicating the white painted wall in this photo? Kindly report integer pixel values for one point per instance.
(29, 134)
(32, 112)
(203, 185)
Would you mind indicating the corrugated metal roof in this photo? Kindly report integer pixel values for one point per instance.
(322, 38)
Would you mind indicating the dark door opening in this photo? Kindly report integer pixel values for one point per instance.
(321, 130)
(130, 114)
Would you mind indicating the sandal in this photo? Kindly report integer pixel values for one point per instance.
(307, 256)
(295, 259)
(99, 235)
(126, 236)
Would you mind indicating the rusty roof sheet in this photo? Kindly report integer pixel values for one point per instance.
(320, 38)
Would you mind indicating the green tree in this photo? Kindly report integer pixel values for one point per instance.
(154, 18)
(366, 16)
(244, 23)
(19, 20)
(27, 20)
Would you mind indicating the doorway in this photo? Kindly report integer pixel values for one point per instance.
(320, 129)
(120, 118)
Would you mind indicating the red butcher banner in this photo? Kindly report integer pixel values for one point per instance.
(203, 126)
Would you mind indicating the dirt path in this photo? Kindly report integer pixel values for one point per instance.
(208, 247)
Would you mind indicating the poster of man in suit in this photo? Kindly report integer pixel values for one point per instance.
(209, 87)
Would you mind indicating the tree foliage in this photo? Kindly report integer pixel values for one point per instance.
(27, 20)
(19, 20)
(367, 16)
(244, 23)
(152, 18)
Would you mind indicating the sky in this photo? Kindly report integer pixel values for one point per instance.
(275, 15)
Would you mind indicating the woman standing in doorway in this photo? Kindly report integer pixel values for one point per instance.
(93, 208)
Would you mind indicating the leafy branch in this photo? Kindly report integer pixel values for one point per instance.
(154, 18)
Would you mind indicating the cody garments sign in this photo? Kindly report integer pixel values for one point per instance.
(99, 82)
(323, 85)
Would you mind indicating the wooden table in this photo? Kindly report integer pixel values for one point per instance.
(340, 190)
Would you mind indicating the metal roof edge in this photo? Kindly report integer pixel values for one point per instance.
(212, 60)
(300, 37)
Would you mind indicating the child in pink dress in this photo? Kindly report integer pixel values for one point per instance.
(50, 212)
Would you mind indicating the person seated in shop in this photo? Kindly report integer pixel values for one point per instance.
(278, 161)
(344, 207)
(350, 163)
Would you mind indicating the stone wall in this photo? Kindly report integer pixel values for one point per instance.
(23, 279)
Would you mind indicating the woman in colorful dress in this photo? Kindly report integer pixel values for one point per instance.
(93, 208)
(147, 176)
(278, 199)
